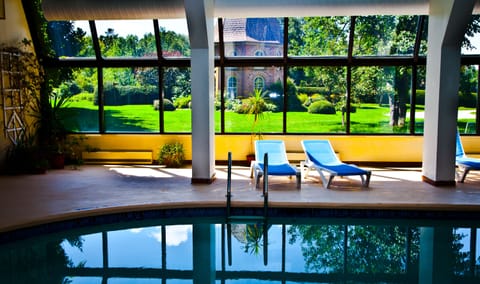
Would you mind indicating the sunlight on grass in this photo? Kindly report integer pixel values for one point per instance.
(82, 115)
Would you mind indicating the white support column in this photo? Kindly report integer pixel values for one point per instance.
(448, 20)
(200, 22)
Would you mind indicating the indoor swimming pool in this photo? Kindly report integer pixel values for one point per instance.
(320, 250)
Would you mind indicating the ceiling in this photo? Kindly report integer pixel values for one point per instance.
(167, 9)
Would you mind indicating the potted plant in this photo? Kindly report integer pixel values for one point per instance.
(255, 106)
(172, 155)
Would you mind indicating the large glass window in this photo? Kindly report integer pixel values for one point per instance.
(129, 96)
(126, 38)
(316, 100)
(174, 38)
(247, 37)
(71, 39)
(75, 98)
(366, 89)
(467, 99)
(420, 99)
(318, 36)
(384, 35)
(177, 96)
(265, 94)
(380, 99)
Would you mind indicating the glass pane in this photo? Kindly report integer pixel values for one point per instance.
(316, 95)
(174, 38)
(84, 251)
(126, 38)
(318, 36)
(471, 43)
(253, 37)
(420, 99)
(71, 38)
(424, 37)
(179, 247)
(74, 96)
(255, 247)
(251, 90)
(467, 99)
(135, 248)
(177, 96)
(461, 250)
(380, 99)
(129, 99)
(384, 35)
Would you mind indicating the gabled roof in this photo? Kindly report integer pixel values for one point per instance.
(252, 29)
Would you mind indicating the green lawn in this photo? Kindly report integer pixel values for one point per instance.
(82, 115)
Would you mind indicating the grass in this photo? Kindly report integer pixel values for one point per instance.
(82, 116)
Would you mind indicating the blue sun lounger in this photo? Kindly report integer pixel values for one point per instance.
(278, 164)
(463, 162)
(321, 157)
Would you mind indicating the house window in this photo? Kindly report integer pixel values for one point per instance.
(232, 88)
(259, 83)
(259, 53)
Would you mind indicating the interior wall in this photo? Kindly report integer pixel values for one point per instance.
(358, 148)
(13, 29)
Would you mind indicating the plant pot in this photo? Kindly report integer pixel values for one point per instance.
(57, 161)
(250, 158)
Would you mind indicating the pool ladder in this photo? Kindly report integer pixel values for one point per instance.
(264, 194)
(261, 220)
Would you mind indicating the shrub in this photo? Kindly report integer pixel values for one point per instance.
(182, 101)
(172, 155)
(167, 105)
(322, 107)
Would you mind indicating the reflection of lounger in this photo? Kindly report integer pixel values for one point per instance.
(321, 157)
(278, 164)
(463, 162)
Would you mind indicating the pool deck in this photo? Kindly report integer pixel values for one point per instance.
(59, 195)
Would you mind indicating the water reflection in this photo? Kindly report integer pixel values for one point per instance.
(249, 253)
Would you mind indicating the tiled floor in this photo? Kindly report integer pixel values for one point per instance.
(64, 194)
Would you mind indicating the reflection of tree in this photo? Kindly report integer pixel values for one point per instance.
(356, 249)
(40, 262)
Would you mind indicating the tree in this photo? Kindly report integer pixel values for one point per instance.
(366, 249)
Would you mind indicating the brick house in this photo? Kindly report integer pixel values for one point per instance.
(250, 37)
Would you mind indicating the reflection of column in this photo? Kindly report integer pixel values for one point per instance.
(436, 257)
(203, 253)
(105, 255)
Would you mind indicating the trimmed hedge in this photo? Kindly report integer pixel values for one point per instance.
(127, 95)
(322, 107)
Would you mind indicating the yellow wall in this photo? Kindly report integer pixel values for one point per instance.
(13, 29)
(350, 148)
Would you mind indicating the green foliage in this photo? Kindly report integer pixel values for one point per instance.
(254, 105)
(172, 155)
(322, 107)
(370, 249)
(313, 90)
(182, 101)
(127, 95)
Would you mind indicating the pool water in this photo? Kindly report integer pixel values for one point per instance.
(300, 251)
